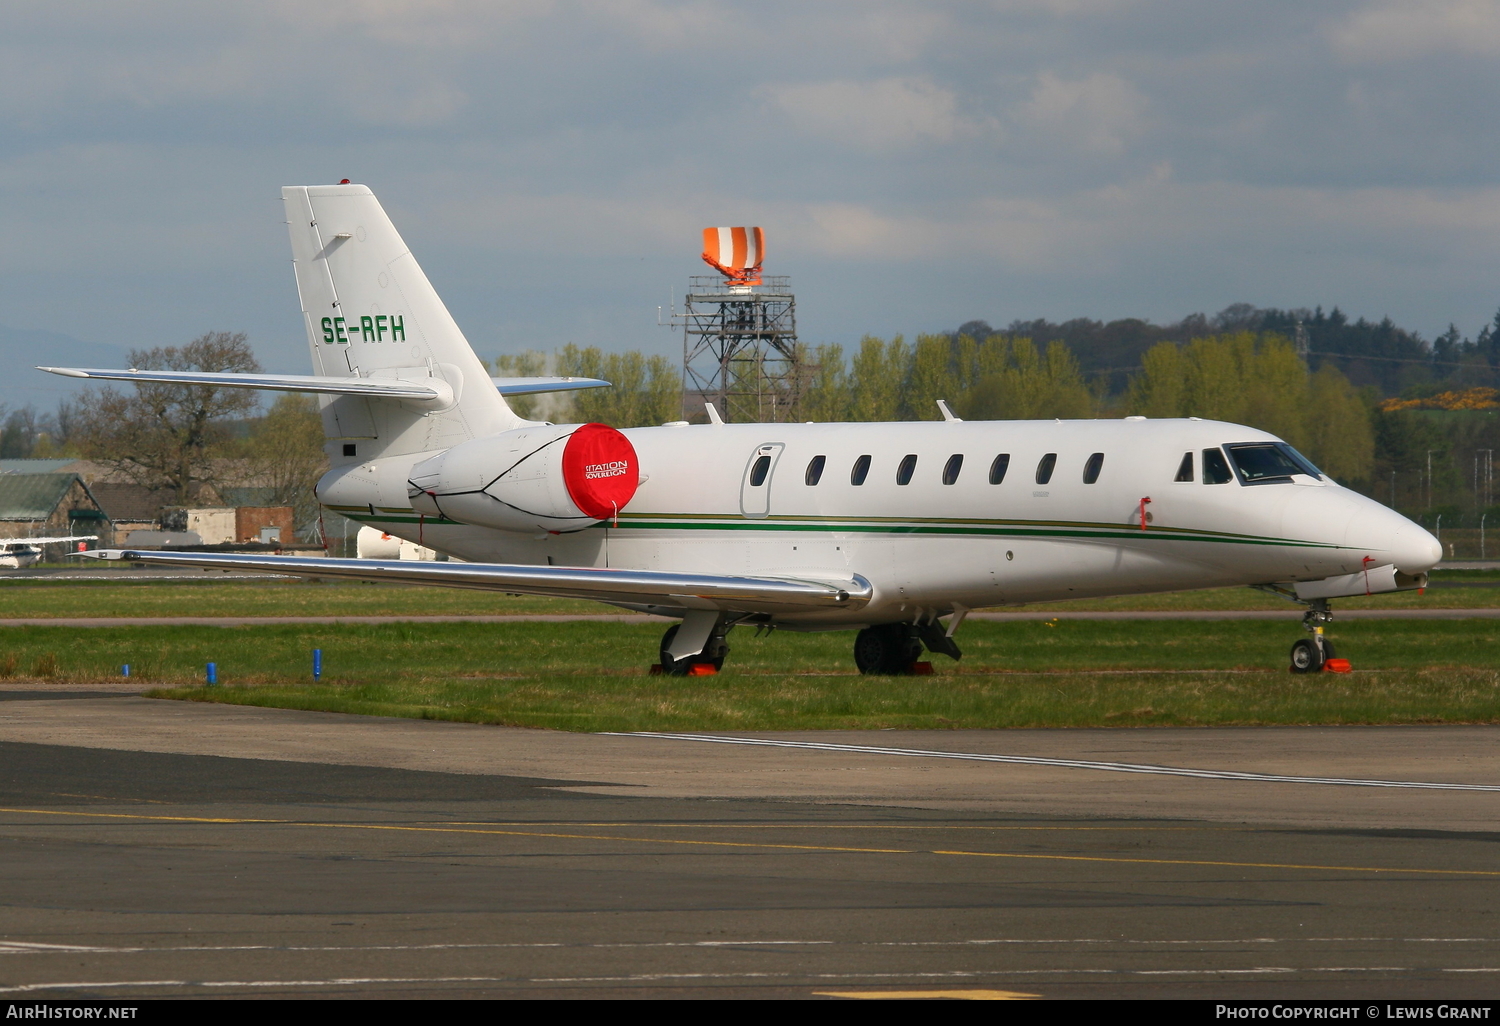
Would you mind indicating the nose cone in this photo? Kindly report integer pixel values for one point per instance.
(1391, 538)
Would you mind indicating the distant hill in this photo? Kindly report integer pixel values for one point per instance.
(21, 349)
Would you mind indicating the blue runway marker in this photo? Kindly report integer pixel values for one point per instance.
(317, 663)
(125, 670)
(212, 674)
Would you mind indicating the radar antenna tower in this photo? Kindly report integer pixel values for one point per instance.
(739, 343)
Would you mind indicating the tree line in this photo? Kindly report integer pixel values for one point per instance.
(179, 439)
(1420, 447)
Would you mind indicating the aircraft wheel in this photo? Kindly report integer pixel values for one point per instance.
(887, 650)
(1306, 658)
(713, 655)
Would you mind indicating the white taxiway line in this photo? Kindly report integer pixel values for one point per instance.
(1034, 760)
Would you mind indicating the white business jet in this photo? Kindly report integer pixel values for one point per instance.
(19, 553)
(883, 528)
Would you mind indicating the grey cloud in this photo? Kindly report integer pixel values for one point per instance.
(915, 164)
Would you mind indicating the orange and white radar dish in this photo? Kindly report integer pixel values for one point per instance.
(736, 253)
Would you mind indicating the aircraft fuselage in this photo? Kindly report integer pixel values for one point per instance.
(946, 537)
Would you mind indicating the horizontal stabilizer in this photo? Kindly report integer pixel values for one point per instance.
(638, 587)
(531, 386)
(388, 388)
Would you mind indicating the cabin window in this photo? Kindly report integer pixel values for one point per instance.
(999, 467)
(1215, 468)
(1092, 467)
(815, 470)
(1045, 467)
(861, 471)
(1185, 468)
(759, 471)
(954, 465)
(1270, 463)
(906, 469)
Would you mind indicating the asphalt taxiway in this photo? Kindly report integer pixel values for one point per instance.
(152, 848)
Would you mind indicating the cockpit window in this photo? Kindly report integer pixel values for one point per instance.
(1216, 467)
(1301, 460)
(1185, 468)
(1269, 462)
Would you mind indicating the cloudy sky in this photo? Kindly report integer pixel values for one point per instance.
(914, 164)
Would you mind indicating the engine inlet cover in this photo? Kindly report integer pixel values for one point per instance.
(546, 477)
(599, 467)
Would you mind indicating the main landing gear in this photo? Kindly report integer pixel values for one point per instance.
(893, 649)
(700, 664)
(1316, 654)
(887, 649)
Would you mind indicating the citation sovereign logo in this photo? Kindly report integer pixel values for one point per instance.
(615, 469)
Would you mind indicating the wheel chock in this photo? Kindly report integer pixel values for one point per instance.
(702, 670)
(1337, 666)
(921, 669)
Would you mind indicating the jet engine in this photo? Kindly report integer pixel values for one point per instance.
(550, 477)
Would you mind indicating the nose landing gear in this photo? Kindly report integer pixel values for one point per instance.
(1316, 654)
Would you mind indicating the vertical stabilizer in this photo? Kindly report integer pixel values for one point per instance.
(371, 312)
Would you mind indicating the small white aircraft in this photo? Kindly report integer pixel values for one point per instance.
(883, 528)
(19, 553)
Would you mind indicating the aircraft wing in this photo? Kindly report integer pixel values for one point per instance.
(640, 587)
(388, 388)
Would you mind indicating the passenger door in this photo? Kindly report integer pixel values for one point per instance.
(755, 489)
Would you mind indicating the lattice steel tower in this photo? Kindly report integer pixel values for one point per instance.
(739, 344)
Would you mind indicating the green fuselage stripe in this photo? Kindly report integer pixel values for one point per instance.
(992, 529)
(886, 525)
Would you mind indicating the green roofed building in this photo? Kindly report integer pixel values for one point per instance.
(38, 505)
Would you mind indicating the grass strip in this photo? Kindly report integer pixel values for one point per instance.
(33, 598)
(591, 676)
(218, 595)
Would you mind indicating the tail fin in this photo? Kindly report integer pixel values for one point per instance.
(372, 313)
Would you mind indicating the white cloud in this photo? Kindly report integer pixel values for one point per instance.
(424, 24)
(1410, 29)
(880, 114)
(1098, 114)
(1006, 141)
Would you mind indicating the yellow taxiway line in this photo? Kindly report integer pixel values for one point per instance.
(762, 845)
